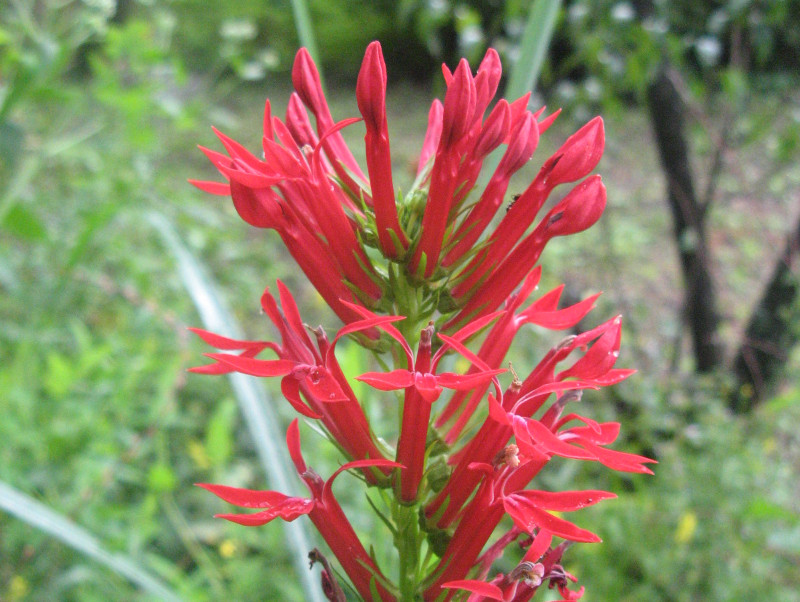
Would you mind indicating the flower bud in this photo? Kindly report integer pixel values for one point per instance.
(579, 210)
(305, 79)
(371, 88)
(459, 105)
(577, 156)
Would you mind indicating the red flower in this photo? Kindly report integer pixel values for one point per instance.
(313, 382)
(322, 508)
(422, 387)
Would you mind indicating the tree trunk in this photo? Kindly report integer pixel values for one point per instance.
(666, 114)
(773, 329)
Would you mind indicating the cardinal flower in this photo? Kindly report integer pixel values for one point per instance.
(417, 278)
(322, 508)
(312, 380)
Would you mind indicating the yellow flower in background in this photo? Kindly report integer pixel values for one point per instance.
(227, 548)
(18, 588)
(686, 527)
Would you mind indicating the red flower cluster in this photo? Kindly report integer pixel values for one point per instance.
(421, 271)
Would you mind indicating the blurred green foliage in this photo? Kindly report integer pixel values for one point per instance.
(100, 110)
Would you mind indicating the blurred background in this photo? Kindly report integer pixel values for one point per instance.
(103, 432)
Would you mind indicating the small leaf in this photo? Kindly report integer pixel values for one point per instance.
(161, 479)
(24, 224)
(219, 434)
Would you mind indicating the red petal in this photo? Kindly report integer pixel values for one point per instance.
(547, 441)
(563, 318)
(540, 545)
(291, 391)
(617, 460)
(293, 444)
(577, 156)
(465, 382)
(371, 87)
(564, 501)
(379, 462)
(219, 188)
(388, 381)
(476, 587)
(247, 498)
(323, 386)
(496, 411)
(254, 367)
(528, 517)
(432, 135)
(427, 386)
(577, 211)
(288, 511)
(221, 342)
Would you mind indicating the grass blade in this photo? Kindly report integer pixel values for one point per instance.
(260, 418)
(305, 32)
(533, 47)
(44, 518)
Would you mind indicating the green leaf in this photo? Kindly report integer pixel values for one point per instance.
(42, 517)
(161, 479)
(60, 375)
(305, 32)
(219, 436)
(23, 223)
(533, 47)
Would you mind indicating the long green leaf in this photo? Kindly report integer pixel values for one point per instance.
(305, 31)
(42, 517)
(261, 420)
(533, 47)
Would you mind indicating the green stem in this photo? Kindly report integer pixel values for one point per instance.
(407, 541)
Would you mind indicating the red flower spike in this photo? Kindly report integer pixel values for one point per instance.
(332, 219)
(371, 97)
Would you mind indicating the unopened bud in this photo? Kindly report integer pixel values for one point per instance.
(459, 105)
(494, 129)
(577, 211)
(577, 156)
(305, 79)
(371, 88)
